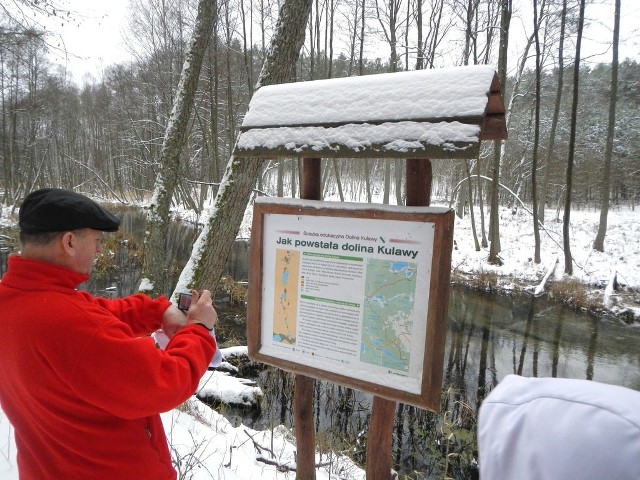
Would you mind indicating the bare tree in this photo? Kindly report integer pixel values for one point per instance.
(437, 29)
(216, 239)
(536, 131)
(494, 217)
(598, 244)
(390, 21)
(556, 115)
(154, 267)
(470, 201)
(566, 236)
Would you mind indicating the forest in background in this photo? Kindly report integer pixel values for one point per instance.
(104, 137)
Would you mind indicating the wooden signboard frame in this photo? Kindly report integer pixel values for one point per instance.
(428, 394)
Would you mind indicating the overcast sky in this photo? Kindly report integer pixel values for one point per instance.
(95, 40)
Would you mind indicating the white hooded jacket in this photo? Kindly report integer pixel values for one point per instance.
(559, 429)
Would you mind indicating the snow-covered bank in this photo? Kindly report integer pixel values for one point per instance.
(592, 270)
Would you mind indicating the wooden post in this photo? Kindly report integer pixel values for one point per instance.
(311, 179)
(303, 393)
(304, 428)
(419, 182)
(379, 439)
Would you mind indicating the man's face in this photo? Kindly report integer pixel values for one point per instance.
(87, 244)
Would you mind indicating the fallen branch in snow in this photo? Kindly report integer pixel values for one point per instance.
(281, 467)
(285, 467)
(552, 266)
(259, 448)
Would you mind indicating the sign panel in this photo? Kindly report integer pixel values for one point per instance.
(345, 292)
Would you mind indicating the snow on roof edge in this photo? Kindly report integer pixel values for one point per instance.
(317, 204)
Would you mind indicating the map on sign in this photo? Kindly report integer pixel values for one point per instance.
(387, 323)
(286, 293)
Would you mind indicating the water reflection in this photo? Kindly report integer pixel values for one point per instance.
(492, 335)
(489, 336)
(124, 278)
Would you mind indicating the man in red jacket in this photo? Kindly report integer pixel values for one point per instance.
(81, 380)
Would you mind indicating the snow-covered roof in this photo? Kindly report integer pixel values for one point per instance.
(438, 113)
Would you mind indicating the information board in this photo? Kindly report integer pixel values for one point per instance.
(351, 293)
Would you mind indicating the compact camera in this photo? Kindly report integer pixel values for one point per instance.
(184, 301)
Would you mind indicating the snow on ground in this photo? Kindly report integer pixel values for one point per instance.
(210, 447)
(592, 270)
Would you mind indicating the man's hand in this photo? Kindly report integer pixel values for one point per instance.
(173, 320)
(201, 310)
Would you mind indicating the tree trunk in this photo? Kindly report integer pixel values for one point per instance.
(336, 169)
(536, 136)
(398, 169)
(494, 222)
(470, 200)
(598, 244)
(361, 52)
(280, 181)
(484, 241)
(566, 238)
(556, 115)
(387, 181)
(154, 271)
(216, 239)
(419, 40)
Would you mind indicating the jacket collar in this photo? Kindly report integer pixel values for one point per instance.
(24, 273)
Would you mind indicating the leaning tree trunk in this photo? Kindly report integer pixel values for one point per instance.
(216, 239)
(154, 269)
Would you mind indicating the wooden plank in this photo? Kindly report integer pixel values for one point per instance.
(437, 327)
(254, 301)
(494, 128)
(495, 105)
(470, 119)
(380, 438)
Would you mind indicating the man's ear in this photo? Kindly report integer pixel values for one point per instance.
(68, 242)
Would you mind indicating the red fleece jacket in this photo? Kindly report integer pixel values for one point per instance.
(81, 385)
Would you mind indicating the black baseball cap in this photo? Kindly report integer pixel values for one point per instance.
(58, 210)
